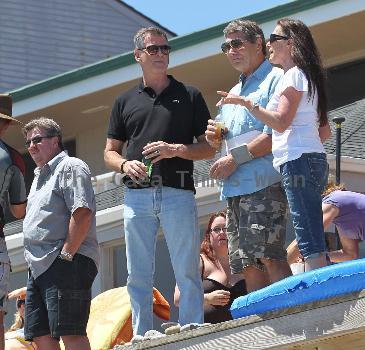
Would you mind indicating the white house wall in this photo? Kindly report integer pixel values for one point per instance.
(90, 146)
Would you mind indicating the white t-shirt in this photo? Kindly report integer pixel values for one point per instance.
(302, 135)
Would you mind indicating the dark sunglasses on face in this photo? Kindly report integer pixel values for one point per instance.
(233, 44)
(36, 140)
(218, 229)
(19, 303)
(153, 49)
(276, 37)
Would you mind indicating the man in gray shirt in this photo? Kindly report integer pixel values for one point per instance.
(59, 240)
(12, 194)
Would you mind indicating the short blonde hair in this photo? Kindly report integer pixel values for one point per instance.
(332, 186)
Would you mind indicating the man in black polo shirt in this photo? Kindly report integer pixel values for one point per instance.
(12, 194)
(159, 120)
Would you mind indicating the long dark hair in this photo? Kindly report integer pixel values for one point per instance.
(306, 56)
(206, 247)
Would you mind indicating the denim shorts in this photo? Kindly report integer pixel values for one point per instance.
(58, 301)
(256, 228)
(304, 180)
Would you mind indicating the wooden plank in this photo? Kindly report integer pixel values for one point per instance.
(352, 341)
(301, 327)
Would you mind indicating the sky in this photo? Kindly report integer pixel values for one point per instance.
(186, 16)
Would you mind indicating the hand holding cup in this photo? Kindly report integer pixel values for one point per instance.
(216, 130)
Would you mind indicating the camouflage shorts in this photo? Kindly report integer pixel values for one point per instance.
(256, 228)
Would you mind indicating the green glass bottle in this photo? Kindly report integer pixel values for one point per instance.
(149, 165)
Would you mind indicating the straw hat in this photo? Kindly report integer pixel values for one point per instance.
(6, 104)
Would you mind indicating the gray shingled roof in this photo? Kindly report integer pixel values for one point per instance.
(40, 39)
(352, 131)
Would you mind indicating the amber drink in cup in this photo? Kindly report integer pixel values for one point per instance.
(220, 132)
(219, 129)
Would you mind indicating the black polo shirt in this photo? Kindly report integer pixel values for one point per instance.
(177, 115)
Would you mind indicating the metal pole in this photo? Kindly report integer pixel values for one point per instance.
(338, 121)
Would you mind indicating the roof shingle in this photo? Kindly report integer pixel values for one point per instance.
(40, 39)
(352, 130)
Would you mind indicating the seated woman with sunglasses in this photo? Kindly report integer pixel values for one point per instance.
(220, 286)
(14, 337)
(297, 113)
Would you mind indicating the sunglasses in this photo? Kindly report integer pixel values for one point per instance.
(36, 140)
(19, 303)
(276, 37)
(219, 229)
(153, 49)
(233, 44)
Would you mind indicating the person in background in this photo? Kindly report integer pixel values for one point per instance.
(60, 242)
(18, 294)
(297, 113)
(256, 203)
(158, 120)
(19, 315)
(14, 337)
(345, 209)
(12, 196)
(220, 286)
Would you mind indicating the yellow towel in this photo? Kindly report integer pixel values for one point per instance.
(110, 320)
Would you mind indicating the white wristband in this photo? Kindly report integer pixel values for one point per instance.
(241, 154)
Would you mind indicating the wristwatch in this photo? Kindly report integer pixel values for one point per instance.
(241, 154)
(66, 256)
(254, 105)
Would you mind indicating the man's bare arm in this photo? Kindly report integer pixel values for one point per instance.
(113, 154)
(18, 210)
(78, 228)
(225, 166)
(195, 151)
(113, 158)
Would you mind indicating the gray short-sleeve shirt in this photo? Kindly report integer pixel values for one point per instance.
(12, 187)
(58, 189)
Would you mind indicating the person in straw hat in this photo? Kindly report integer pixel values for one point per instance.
(12, 195)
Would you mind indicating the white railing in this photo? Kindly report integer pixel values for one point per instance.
(106, 181)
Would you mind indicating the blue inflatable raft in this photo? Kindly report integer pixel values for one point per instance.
(326, 282)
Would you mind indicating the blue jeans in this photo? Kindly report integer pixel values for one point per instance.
(145, 210)
(304, 180)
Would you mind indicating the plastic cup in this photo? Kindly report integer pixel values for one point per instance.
(219, 129)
